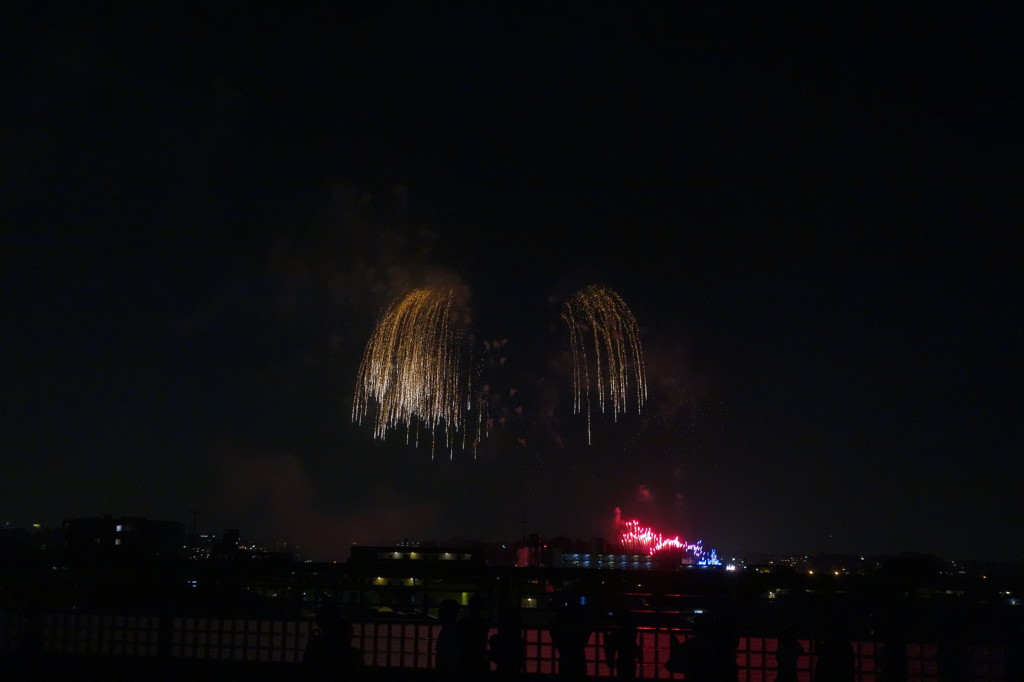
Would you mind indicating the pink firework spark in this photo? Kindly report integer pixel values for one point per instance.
(637, 539)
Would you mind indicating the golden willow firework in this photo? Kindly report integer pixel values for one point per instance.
(413, 370)
(606, 352)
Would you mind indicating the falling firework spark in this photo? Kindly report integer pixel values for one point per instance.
(605, 342)
(413, 370)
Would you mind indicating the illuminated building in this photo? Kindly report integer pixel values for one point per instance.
(660, 560)
(369, 554)
(635, 562)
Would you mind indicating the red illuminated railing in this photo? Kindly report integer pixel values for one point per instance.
(410, 645)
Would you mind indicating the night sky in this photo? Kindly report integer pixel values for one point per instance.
(813, 215)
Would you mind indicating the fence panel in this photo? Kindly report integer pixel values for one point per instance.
(410, 645)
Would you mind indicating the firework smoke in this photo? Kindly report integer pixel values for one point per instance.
(415, 369)
(605, 343)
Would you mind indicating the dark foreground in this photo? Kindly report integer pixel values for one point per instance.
(153, 670)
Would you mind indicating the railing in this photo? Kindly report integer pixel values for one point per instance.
(410, 645)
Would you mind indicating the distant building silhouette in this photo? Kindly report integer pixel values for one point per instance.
(127, 536)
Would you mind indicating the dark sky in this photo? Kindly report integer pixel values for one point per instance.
(814, 216)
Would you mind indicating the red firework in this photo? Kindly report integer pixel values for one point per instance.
(637, 539)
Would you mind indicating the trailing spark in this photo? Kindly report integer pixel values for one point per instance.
(606, 353)
(413, 370)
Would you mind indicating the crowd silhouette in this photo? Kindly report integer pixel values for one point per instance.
(474, 643)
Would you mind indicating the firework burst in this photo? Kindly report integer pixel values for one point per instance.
(606, 353)
(635, 538)
(415, 371)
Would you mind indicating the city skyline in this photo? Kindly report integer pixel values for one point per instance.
(67, 540)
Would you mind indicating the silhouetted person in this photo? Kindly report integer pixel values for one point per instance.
(329, 652)
(570, 634)
(952, 653)
(709, 655)
(835, 656)
(1014, 642)
(892, 655)
(621, 650)
(507, 647)
(728, 639)
(27, 660)
(446, 649)
(787, 655)
(676, 662)
(472, 627)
